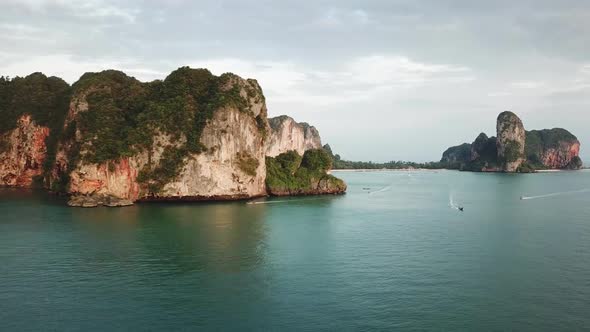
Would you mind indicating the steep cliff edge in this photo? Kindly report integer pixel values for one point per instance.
(31, 108)
(22, 153)
(287, 135)
(193, 136)
(110, 139)
(517, 150)
(510, 141)
(553, 149)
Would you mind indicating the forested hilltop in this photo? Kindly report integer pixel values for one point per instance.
(339, 163)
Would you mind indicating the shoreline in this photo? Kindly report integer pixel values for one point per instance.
(389, 170)
(360, 170)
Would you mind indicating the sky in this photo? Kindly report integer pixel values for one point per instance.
(381, 80)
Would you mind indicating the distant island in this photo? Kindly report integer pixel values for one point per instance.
(112, 140)
(516, 150)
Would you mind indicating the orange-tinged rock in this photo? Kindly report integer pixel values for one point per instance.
(23, 152)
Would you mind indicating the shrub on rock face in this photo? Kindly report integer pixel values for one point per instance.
(247, 163)
(291, 174)
(456, 156)
(289, 161)
(575, 163)
(512, 151)
(317, 159)
(525, 167)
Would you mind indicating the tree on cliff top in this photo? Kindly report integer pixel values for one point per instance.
(44, 98)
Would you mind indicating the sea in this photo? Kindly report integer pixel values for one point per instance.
(393, 254)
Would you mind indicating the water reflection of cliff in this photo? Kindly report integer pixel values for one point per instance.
(175, 238)
(212, 237)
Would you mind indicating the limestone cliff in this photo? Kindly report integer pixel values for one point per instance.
(456, 156)
(223, 160)
(31, 108)
(22, 153)
(553, 148)
(110, 139)
(510, 141)
(287, 135)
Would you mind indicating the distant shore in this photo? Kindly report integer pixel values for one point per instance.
(387, 169)
(439, 169)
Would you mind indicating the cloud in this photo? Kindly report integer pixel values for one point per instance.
(70, 68)
(360, 79)
(527, 84)
(85, 9)
(340, 17)
(401, 71)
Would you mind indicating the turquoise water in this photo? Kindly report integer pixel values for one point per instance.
(394, 257)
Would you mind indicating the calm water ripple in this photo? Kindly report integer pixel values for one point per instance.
(395, 256)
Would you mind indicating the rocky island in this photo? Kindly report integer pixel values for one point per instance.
(514, 149)
(112, 140)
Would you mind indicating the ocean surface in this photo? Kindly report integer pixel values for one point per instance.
(394, 253)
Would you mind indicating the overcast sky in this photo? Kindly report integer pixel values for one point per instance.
(381, 80)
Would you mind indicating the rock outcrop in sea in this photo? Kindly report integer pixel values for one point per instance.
(291, 174)
(516, 150)
(510, 141)
(116, 140)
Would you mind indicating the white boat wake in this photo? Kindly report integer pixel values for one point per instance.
(452, 203)
(555, 194)
(380, 190)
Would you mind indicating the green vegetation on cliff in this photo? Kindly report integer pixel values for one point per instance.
(109, 126)
(46, 99)
(575, 163)
(124, 115)
(290, 173)
(338, 163)
(547, 148)
(537, 141)
(512, 151)
(456, 156)
(247, 163)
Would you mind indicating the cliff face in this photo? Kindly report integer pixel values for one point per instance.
(553, 148)
(233, 166)
(456, 156)
(286, 135)
(516, 150)
(31, 108)
(510, 141)
(225, 162)
(115, 140)
(22, 153)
